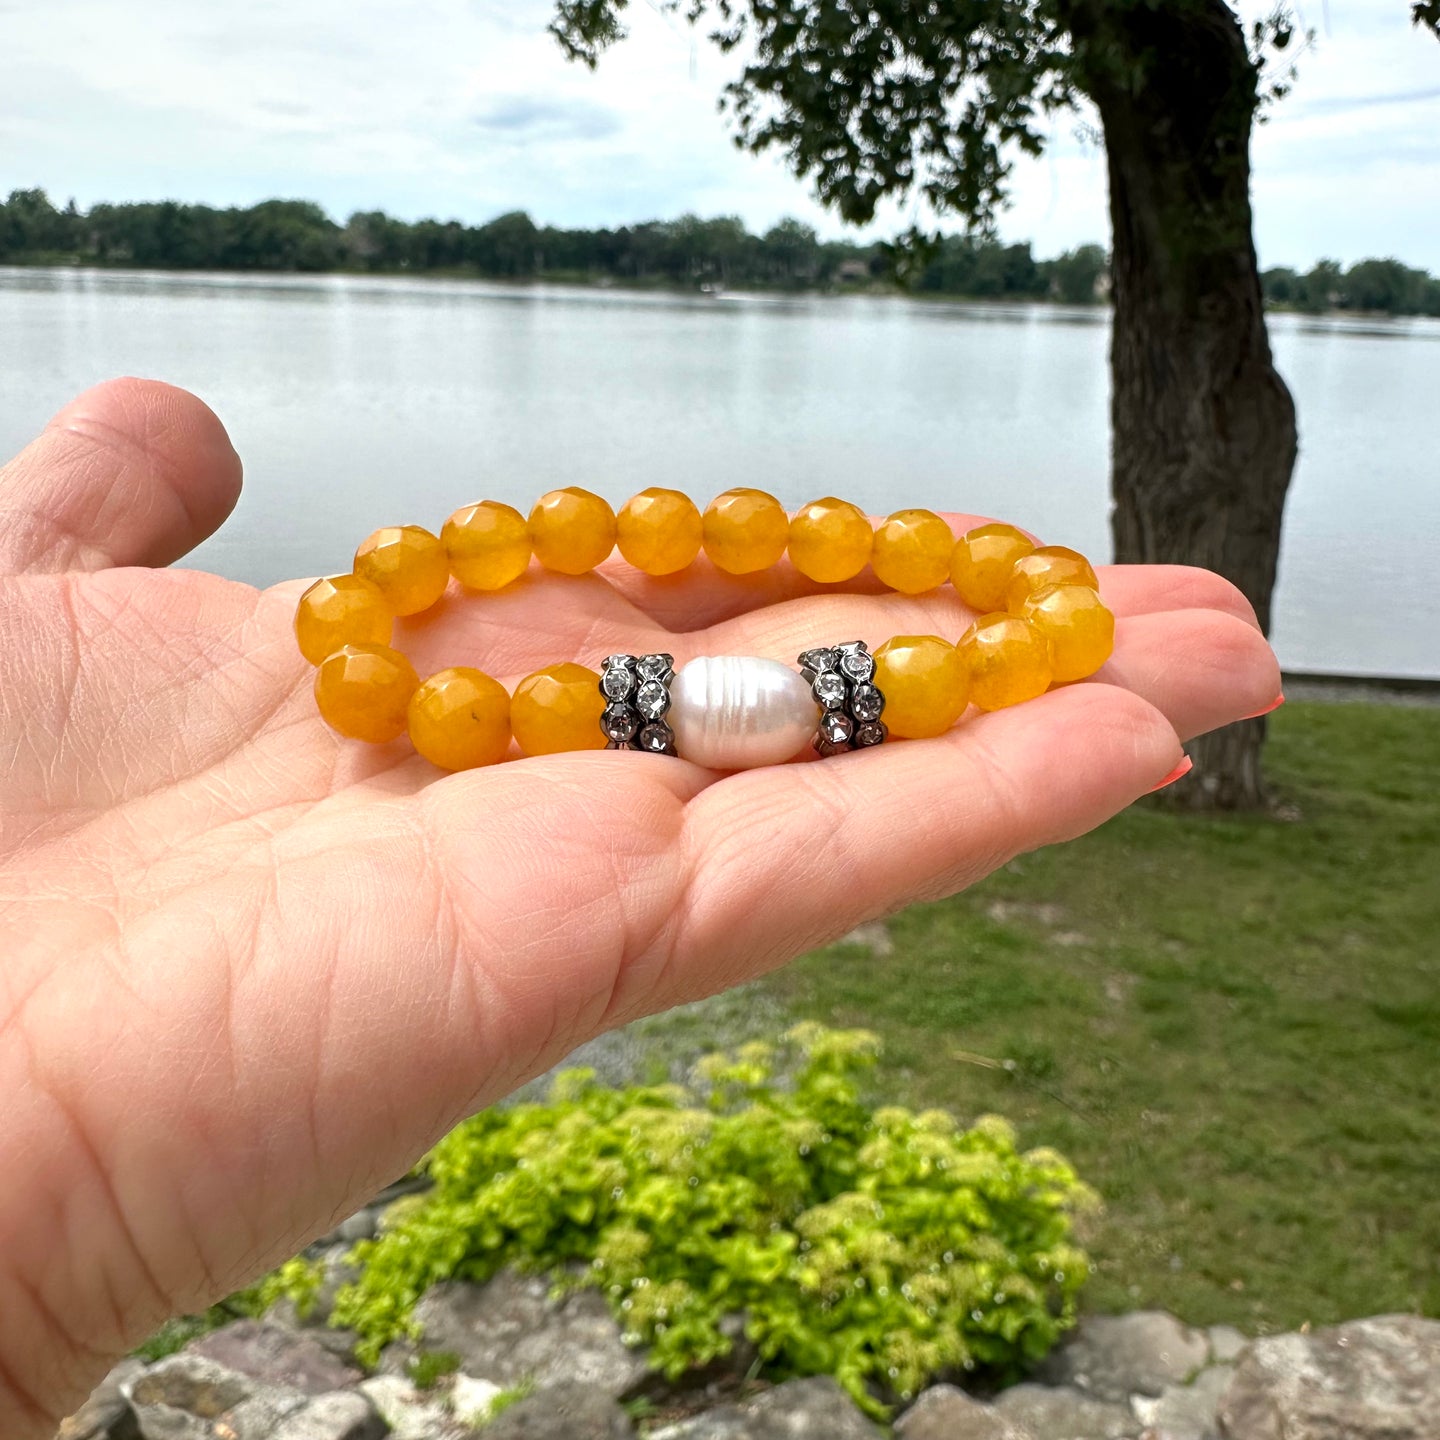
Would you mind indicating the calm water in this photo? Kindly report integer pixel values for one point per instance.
(357, 403)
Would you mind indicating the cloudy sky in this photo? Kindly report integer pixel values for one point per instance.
(466, 108)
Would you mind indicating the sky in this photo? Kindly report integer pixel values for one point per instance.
(466, 108)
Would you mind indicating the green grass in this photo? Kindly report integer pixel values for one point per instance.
(1231, 1026)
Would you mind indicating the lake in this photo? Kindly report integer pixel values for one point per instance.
(362, 402)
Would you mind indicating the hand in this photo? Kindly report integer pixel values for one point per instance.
(252, 971)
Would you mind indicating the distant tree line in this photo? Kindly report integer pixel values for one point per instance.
(1382, 286)
(296, 235)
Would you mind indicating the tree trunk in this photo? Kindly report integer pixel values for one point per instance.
(1203, 425)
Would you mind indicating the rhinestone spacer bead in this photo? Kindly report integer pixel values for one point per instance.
(842, 681)
(638, 692)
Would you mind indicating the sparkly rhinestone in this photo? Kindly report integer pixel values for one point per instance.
(653, 700)
(872, 734)
(619, 662)
(659, 739)
(858, 664)
(656, 667)
(818, 661)
(866, 703)
(616, 683)
(619, 723)
(829, 690)
(835, 727)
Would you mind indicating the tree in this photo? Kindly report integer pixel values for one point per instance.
(876, 98)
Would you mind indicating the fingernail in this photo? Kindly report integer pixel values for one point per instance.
(1270, 708)
(1181, 770)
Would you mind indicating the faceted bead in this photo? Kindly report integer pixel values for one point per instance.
(659, 531)
(363, 691)
(745, 531)
(924, 682)
(343, 610)
(1050, 565)
(981, 565)
(830, 540)
(558, 708)
(460, 718)
(1008, 659)
(912, 551)
(572, 530)
(1080, 629)
(407, 564)
(488, 545)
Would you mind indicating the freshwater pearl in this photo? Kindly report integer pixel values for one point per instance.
(736, 712)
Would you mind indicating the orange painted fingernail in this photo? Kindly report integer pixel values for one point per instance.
(1269, 709)
(1181, 770)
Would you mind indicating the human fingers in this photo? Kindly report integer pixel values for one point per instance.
(1148, 589)
(781, 860)
(1201, 669)
(132, 472)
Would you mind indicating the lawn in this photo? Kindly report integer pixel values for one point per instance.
(1231, 1026)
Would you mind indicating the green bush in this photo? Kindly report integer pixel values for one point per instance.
(878, 1246)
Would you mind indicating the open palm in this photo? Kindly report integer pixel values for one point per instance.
(250, 971)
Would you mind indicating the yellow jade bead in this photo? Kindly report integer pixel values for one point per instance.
(488, 545)
(745, 531)
(981, 565)
(407, 564)
(1008, 659)
(460, 718)
(1049, 565)
(342, 610)
(925, 685)
(362, 691)
(659, 531)
(830, 540)
(558, 708)
(1080, 628)
(912, 551)
(572, 530)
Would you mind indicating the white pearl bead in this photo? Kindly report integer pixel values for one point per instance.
(735, 712)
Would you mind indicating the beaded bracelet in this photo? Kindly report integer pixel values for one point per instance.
(1041, 623)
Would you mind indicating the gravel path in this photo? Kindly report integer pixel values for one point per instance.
(1414, 694)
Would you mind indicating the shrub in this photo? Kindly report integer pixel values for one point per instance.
(878, 1246)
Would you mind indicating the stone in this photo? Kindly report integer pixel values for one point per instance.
(176, 1398)
(866, 703)
(276, 1356)
(829, 689)
(818, 661)
(812, 1409)
(1060, 1412)
(470, 1399)
(262, 1414)
(106, 1415)
(411, 1414)
(1185, 1412)
(509, 1331)
(362, 1224)
(659, 666)
(345, 1415)
(1226, 1343)
(1375, 1379)
(944, 1412)
(1116, 1356)
(570, 1410)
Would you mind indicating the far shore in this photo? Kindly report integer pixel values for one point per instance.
(868, 289)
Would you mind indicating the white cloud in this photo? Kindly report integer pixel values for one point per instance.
(466, 109)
